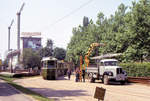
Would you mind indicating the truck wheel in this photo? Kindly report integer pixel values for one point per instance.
(92, 80)
(102, 80)
(106, 80)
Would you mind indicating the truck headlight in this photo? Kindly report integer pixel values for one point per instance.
(110, 74)
(125, 73)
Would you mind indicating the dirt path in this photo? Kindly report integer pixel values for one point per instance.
(68, 90)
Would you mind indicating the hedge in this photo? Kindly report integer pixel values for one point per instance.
(18, 75)
(137, 69)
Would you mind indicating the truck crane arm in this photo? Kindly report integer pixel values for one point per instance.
(92, 46)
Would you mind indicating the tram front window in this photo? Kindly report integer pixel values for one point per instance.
(51, 64)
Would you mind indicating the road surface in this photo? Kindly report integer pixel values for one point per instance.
(69, 90)
(8, 93)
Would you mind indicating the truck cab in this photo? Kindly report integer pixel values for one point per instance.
(107, 70)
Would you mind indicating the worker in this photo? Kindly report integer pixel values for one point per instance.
(83, 75)
(77, 75)
(69, 73)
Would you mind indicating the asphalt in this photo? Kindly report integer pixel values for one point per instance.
(9, 93)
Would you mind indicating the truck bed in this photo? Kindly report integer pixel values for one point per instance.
(92, 69)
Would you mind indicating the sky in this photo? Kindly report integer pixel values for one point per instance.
(53, 18)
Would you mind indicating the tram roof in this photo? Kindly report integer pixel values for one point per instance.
(48, 58)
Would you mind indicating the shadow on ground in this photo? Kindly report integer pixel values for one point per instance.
(58, 94)
(7, 90)
(116, 83)
(62, 78)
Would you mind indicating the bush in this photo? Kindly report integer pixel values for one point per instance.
(13, 75)
(137, 69)
(7, 75)
(18, 75)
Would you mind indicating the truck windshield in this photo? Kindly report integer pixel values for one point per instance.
(110, 63)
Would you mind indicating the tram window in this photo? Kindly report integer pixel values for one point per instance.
(44, 64)
(101, 63)
(51, 64)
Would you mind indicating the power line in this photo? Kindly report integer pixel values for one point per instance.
(72, 12)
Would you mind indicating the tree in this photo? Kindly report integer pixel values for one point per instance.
(85, 21)
(124, 32)
(31, 58)
(49, 44)
(59, 53)
(139, 31)
(48, 50)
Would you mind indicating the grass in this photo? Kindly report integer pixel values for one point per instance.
(24, 90)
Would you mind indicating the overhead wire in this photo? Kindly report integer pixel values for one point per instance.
(72, 12)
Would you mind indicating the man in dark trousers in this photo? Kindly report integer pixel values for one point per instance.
(69, 73)
(83, 75)
(77, 75)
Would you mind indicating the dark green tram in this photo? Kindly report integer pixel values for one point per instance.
(52, 68)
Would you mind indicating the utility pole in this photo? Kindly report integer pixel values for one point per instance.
(9, 45)
(9, 34)
(18, 29)
(11, 68)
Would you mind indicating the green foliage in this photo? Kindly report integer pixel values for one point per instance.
(49, 44)
(45, 52)
(14, 75)
(48, 50)
(59, 53)
(138, 29)
(85, 21)
(8, 77)
(137, 69)
(126, 32)
(31, 58)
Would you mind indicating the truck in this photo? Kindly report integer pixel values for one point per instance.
(107, 70)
